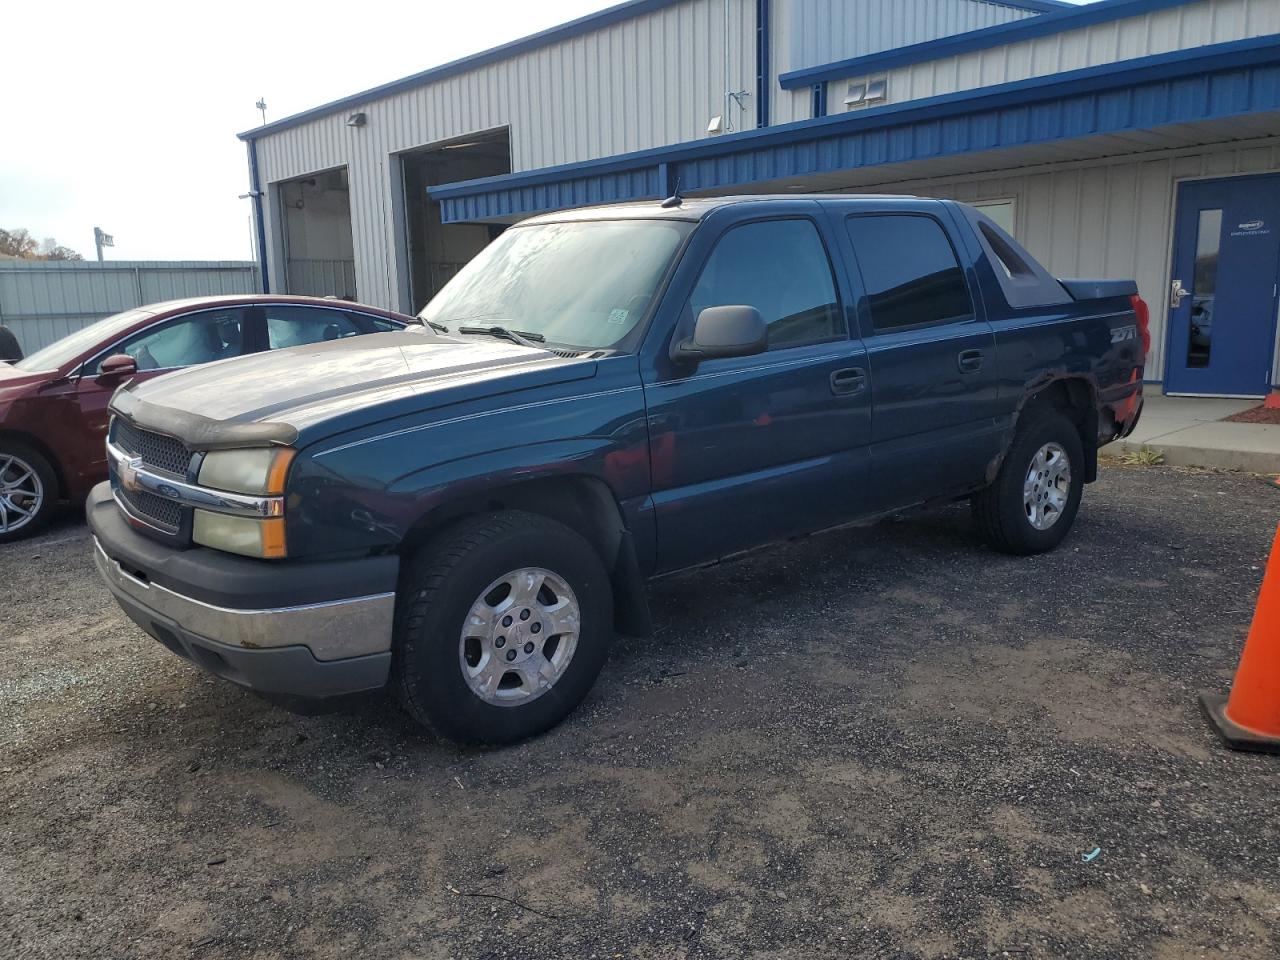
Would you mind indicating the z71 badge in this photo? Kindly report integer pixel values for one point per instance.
(1121, 334)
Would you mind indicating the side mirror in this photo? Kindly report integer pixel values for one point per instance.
(117, 366)
(734, 330)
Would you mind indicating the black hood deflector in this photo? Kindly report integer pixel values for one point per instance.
(197, 432)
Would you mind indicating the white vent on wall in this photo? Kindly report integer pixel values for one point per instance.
(863, 93)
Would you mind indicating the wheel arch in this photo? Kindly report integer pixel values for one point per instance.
(582, 502)
(1074, 396)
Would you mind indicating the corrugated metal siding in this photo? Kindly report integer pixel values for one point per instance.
(323, 278)
(1175, 28)
(1109, 219)
(44, 301)
(653, 80)
(809, 33)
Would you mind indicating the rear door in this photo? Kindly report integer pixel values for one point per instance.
(749, 449)
(931, 356)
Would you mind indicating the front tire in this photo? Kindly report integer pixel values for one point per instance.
(1033, 502)
(503, 624)
(28, 492)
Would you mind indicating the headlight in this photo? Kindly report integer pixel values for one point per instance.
(247, 536)
(257, 472)
(260, 471)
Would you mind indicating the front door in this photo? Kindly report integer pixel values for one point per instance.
(1222, 304)
(750, 449)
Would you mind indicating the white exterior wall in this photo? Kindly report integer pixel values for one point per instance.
(1106, 218)
(645, 82)
(1175, 28)
(809, 33)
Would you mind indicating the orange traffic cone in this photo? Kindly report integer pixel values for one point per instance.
(1250, 718)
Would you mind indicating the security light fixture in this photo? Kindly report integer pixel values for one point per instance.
(357, 120)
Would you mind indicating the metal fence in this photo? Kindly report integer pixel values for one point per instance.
(44, 300)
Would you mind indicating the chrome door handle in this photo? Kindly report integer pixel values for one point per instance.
(1176, 294)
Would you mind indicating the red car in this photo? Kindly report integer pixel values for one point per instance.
(53, 404)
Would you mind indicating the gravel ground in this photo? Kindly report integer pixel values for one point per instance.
(886, 742)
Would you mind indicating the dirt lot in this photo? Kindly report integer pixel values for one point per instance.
(878, 743)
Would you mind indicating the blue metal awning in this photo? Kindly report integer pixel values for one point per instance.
(1205, 83)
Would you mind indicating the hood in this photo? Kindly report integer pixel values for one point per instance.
(275, 397)
(11, 377)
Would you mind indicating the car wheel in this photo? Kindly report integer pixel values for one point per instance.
(1033, 502)
(503, 624)
(28, 492)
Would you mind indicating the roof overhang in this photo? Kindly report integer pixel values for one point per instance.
(1207, 83)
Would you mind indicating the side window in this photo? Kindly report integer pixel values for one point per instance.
(909, 270)
(780, 267)
(187, 341)
(294, 326)
(371, 324)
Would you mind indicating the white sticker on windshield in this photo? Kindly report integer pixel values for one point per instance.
(618, 316)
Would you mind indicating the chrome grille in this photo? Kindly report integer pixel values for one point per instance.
(156, 450)
(149, 507)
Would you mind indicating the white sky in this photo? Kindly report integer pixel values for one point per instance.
(123, 114)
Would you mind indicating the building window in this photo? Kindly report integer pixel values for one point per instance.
(1003, 212)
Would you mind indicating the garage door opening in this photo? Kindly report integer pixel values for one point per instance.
(319, 256)
(435, 250)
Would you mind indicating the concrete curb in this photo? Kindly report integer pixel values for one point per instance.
(1185, 455)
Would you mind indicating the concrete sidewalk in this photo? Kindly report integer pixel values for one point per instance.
(1189, 432)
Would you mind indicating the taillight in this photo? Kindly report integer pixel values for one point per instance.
(1143, 314)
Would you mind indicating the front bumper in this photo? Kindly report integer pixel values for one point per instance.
(291, 631)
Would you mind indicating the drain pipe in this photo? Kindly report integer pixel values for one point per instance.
(255, 191)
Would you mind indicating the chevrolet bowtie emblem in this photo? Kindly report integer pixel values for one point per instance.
(128, 471)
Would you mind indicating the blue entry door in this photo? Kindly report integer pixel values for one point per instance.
(1222, 304)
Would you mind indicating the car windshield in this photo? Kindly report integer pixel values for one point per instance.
(583, 284)
(82, 341)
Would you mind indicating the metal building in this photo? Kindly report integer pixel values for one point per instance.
(1120, 138)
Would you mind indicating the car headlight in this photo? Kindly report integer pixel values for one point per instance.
(247, 536)
(258, 472)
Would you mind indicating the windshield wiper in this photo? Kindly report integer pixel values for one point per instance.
(435, 325)
(515, 336)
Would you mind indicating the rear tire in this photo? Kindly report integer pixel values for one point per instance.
(503, 624)
(1033, 502)
(28, 491)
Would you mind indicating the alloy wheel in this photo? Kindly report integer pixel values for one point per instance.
(519, 637)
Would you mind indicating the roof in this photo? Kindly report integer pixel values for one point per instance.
(565, 31)
(691, 208)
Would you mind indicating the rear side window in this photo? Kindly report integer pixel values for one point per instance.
(780, 267)
(909, 270)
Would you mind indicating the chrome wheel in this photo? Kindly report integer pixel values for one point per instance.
(519, 637)
(1047, 487)
(21, 493)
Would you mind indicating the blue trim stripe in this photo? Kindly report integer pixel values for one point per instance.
(1222, 80)
(565, 31)
(1071, 18)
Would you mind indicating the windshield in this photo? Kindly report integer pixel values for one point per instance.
(583, 284)
(82, 341)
